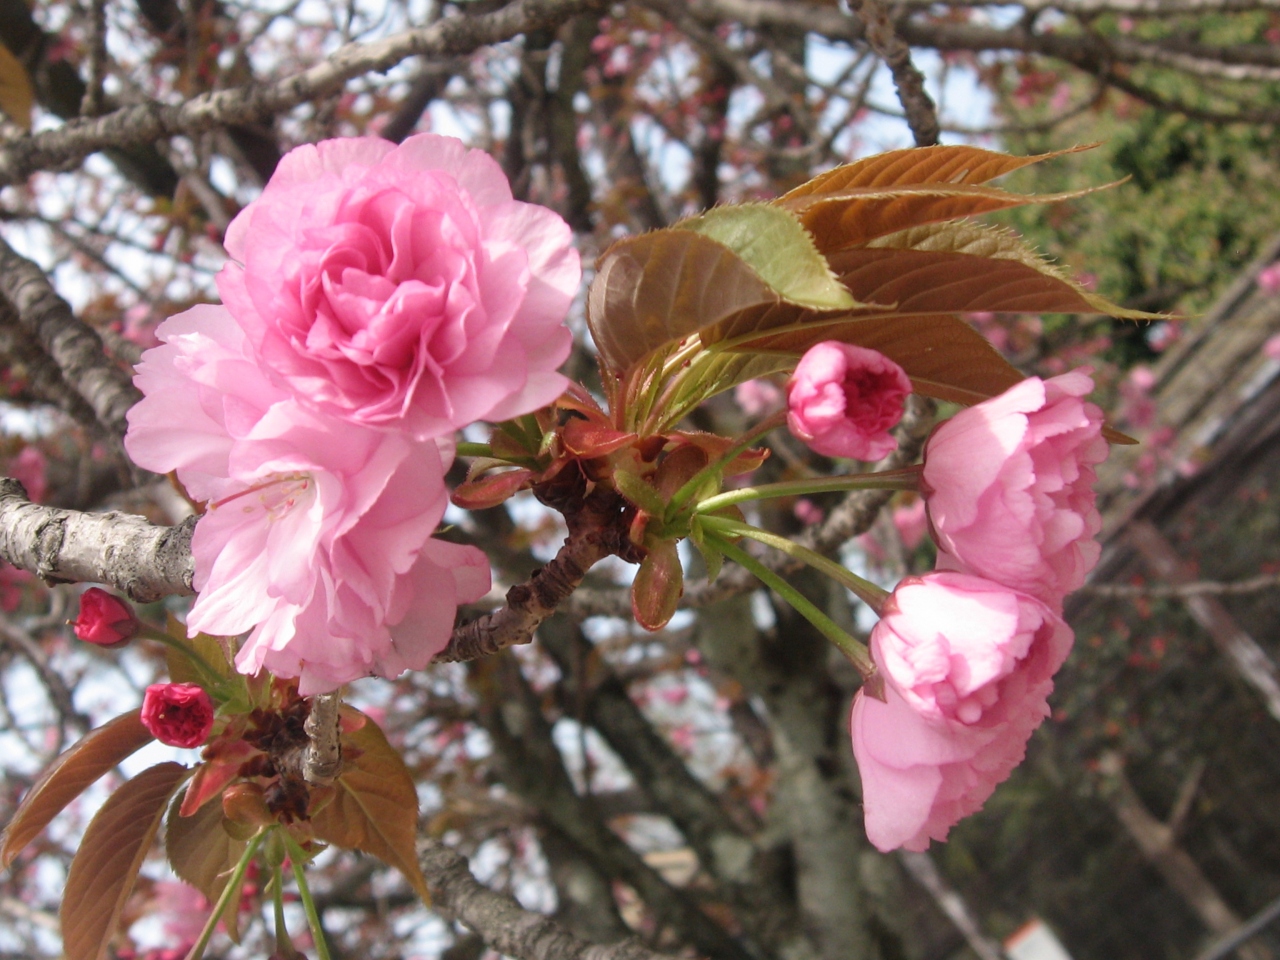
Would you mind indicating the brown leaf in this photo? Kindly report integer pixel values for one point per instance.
(375, 806)
(16, 95)
(181, 668)
(857, 215)
(106, 865)
(69, 776)
(656, 288)
(944, 356)
(941, 164)
(203, 854)
(929, 282)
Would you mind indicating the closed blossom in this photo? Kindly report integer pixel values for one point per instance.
(843, 400)
(1009, 486)
(967, 667)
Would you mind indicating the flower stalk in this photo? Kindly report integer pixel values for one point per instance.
(855, 650)
(907, 478)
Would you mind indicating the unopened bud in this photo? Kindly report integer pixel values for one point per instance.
(244, 803)
(105, 619)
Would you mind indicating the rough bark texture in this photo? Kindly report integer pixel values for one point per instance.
(504, 924)
(74, 347)
(138, 558)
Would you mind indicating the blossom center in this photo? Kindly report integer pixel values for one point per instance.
(275, 496)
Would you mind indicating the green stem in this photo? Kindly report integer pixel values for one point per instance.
(296, 858)
(466, 449)
(284, 944)
(866, 591)
(682, 495)
(212, 677)
(232, 889)
(904, 479)
(857, 652)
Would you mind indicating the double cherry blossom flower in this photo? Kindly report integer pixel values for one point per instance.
(967, 653)
(379, 299)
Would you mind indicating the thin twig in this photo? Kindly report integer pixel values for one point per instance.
(922, 115)
(1196, 588)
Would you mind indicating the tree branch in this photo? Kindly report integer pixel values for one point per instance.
(138, 558)
(151, 121)
(1194, 588)
(73, 345)
(504, 924)
(528, 603)
(922, 115)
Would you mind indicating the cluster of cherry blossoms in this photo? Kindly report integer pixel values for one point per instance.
(967, 653)
(378, 299)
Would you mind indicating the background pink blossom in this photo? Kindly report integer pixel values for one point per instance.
(402, 285)
(1009, 486)
(967, 666)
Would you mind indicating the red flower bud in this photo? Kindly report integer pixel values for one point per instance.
(179, 714)
(104, 619)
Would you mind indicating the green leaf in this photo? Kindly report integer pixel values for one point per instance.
(73, 772)
(639, 492)
(658, 586)
(711, 556)
(181, 669)
(375, 805)
(106, 865)
(203, 853)
(775, 245)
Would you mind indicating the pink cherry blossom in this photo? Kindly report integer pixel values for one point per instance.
(844, 400)
(402, 285)
(967, 665)
(317, 533)
(1009, 486)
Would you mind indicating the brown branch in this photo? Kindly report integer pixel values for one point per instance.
(44, 378)
(138, 558)
(322, 760)
(1193, 588)
(922, 115)
(451, 36)
(73, 345)
(503, 924)
(528, 603)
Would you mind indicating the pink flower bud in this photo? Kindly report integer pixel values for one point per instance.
(179, 714)
(1009, 487)
(844, 400)
(105, 619)
(967, 666)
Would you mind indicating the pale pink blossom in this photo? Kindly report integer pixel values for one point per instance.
(317, 533)
(1009, 486)
(912, 523)
(402, 285)
(1269, 279)
(1271, 348)
(843, 400)
(967, 667)
(757, 397)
